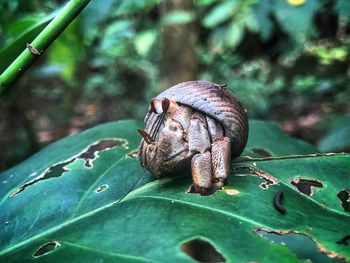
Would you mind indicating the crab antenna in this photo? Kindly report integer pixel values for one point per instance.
(165, 107)
(149, 139)
(137, 180)
(159, 122)
(156, 106)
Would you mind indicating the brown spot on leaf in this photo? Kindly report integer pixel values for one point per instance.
(249, 171)
(305, 186)
(202, 251)
(46, 249)
(261, 152)
(102, 188)
(344, 196)
(290, 237)
(88, 155)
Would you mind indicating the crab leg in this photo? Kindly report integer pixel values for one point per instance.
(201, 173)
(198, 135)
(199, 142)
(220, 152)
(221, 155)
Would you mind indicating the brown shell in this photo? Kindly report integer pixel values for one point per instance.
(218, 103)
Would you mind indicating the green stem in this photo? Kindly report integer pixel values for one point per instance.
(41, 42)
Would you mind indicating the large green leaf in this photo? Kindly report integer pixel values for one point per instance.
(220, 13)
(73, 211)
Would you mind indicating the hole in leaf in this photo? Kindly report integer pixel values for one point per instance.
(54, 171)
(303, 246)
(261, 152)
(46, 249)
(89, 155)
(344, 196)
(102, 188)
(202, 251)
(250, 171)
(305, 186)
(344, 240)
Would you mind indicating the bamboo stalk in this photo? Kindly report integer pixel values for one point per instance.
(41, 43)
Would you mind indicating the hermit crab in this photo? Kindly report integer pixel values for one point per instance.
(195, 125)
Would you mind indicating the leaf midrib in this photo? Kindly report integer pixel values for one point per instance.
(106, 206)
(113, 254)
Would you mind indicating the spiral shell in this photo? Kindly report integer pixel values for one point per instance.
(216, 102)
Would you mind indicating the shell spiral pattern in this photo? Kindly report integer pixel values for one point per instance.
(218, 103)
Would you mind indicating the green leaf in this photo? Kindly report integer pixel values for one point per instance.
(17, 27)
(204, 2)
(75, 214)
(262, 13)
(177, 17)
(250, 21)
(66, 51)
(95, 13)
(144, 41)
(263, 135)
(220, 13)
(116, 33)
(234, 34)
(296, 21)
(343, 8)
(134, 6)
(338, 138)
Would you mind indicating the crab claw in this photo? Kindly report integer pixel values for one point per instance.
(148, 139)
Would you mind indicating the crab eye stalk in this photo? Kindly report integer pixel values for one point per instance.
(165, 105)
(156, 106)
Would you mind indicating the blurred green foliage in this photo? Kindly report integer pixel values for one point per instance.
(282, 58)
